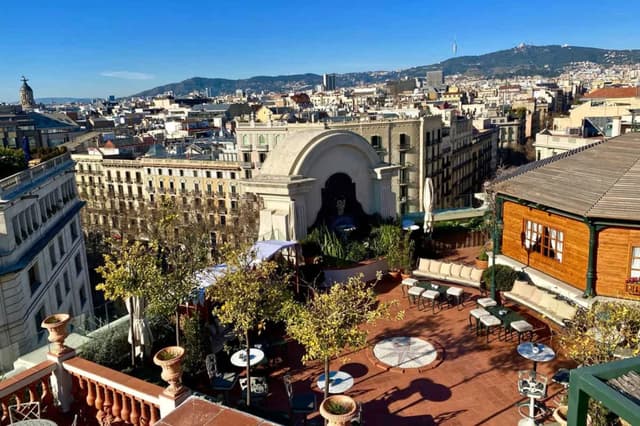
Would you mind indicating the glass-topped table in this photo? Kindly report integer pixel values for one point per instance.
(536, 352)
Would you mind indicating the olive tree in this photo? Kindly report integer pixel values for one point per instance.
(248, 295)
(330, 322)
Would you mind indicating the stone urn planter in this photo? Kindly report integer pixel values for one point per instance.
(170, 360)
(56, 325)
(560, 415)
(338, 410)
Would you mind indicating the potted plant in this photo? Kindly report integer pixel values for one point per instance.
(482, 260)
(338, 410)
(389, 242)
(56, 324)
(170, 360)
(406, 255)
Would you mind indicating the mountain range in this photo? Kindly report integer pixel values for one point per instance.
(522, 60)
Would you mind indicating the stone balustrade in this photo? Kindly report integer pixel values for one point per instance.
(28, 386)
(114, 396)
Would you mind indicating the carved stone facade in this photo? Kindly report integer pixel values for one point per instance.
(26, 95)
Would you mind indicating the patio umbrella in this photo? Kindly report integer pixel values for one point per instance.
(142, 338)
(428, 206)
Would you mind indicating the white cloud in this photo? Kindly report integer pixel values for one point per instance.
(127, 75)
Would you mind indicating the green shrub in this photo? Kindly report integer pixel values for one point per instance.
(329, 243)
(11, 161)
(194, 341)
(109, 348)
(505, 276)
(388, 243)
(483, 255)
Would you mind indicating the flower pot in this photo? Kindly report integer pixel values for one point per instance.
(170, 360)
(56, 324)
(482, 264)
(560, 414)
(404, 276)
(395, 275)
(338, 410)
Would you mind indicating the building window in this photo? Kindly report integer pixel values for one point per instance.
(233, 175)
(208, 174)
(181, 172)
(543, 239)
(78, 261)
(376, 142)
(170, 172)
(247, 174)
(34, 278)
(52, 256)
(263, 157)
(83, 296)
(635, 262)
(58, 294)
(223, 220)
(67, 283)
(219, 175)
(73, 227)
(61, 245)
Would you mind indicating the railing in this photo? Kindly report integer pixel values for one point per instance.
(13, 181)
(113, 395)
(31, 385)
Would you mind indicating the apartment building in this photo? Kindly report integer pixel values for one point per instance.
(43, 265)
(122, 193)
(398, 141)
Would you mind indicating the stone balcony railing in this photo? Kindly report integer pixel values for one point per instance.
(28, 386)
(68, 387)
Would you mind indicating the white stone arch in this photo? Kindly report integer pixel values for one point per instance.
(292, 178)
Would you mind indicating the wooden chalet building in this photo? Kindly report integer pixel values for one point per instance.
(572, 222)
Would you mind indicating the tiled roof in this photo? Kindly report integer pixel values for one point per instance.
(614, 92)
(597, 181)
(197, 411)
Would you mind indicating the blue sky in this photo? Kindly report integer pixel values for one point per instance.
(80, 48)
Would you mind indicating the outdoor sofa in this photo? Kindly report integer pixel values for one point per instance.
(541, 301)
(449, 272)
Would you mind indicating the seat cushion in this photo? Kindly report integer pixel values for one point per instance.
(536, 296)
(415, 291)
(490, 321)
(465, 273)
(455, 270)
(521, 326)
(476, 274)
(485, 302)
(549, 302)
(478, 312)
(454, 291)
(430, 294)
(523, 289)
(566, 311)
(434, 266)
(445, 269)
(423, 264)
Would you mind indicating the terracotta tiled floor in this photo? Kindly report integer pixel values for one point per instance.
(471, 383)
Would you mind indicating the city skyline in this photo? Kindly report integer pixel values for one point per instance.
(81, 51)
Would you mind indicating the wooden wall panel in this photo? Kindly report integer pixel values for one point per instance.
(614, 261)
(573, 269)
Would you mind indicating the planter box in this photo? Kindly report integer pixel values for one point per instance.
(368, 268)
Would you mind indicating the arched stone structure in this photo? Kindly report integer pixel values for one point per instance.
(292, 179)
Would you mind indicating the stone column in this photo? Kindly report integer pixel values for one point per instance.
(61, 383)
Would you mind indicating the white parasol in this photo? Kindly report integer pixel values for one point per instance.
(141, 332)
(428, 206)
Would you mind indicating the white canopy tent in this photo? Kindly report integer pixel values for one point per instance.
(261, 251)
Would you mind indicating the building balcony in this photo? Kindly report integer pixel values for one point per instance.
(246, 164)
(404, 147)
(262, 148)
(246, 148)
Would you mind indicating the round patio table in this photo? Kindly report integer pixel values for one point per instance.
(536, 352)
(36, 422)
(239, 359)
(339, 381)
